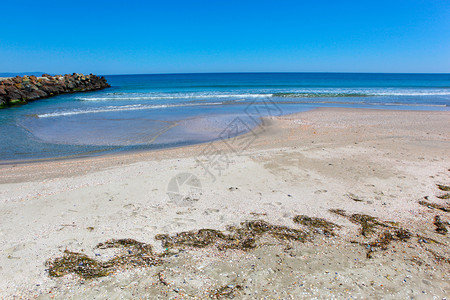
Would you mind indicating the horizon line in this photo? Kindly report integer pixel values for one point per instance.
(263, 72)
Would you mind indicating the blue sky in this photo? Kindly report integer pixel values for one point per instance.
(168, 36)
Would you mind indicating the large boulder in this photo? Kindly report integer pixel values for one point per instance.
(3, 102)
(37, 94)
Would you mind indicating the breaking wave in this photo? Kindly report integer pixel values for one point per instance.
(304, 93)
(116, 109)
(126, 96)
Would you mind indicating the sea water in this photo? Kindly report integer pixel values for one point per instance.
(159, 111)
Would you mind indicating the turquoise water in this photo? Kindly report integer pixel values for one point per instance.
(160, 111)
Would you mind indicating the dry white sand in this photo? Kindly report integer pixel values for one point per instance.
(303, 164)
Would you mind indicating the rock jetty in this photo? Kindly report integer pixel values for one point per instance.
(21, 90)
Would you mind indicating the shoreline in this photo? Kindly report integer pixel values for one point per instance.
(328, 163)
(134, 155)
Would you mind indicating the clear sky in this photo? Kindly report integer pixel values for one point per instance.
(173, 36)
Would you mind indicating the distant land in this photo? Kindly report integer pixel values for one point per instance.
(5, 74)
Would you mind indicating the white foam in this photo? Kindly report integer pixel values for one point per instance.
(411, 93)
(172, 96)
(377, 91)
(117, 108)
(268, 93)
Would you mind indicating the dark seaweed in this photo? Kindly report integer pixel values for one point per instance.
(434, 205)
(444, 196)
(227, 291)
(317, 225)
(369, 226)
(441, 227)
(444, 188)
(244, 237)
(368, 223)
(136, 255)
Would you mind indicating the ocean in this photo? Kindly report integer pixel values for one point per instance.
(144, 112)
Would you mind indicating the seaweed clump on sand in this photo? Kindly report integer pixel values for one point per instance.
(441, 227)
(134, 254)
(76, 263)
(438, 257)
(444, 188)
(435, 206)
(385, 239)
(244, 237)
(137, 254)
(317, 225)
(368, 223)
(226, 291)
(444, 196)
(202, 238)
(369, 226)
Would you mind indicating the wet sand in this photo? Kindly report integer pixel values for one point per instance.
(376, 163)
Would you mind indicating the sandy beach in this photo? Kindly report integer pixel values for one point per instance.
(376, 180)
